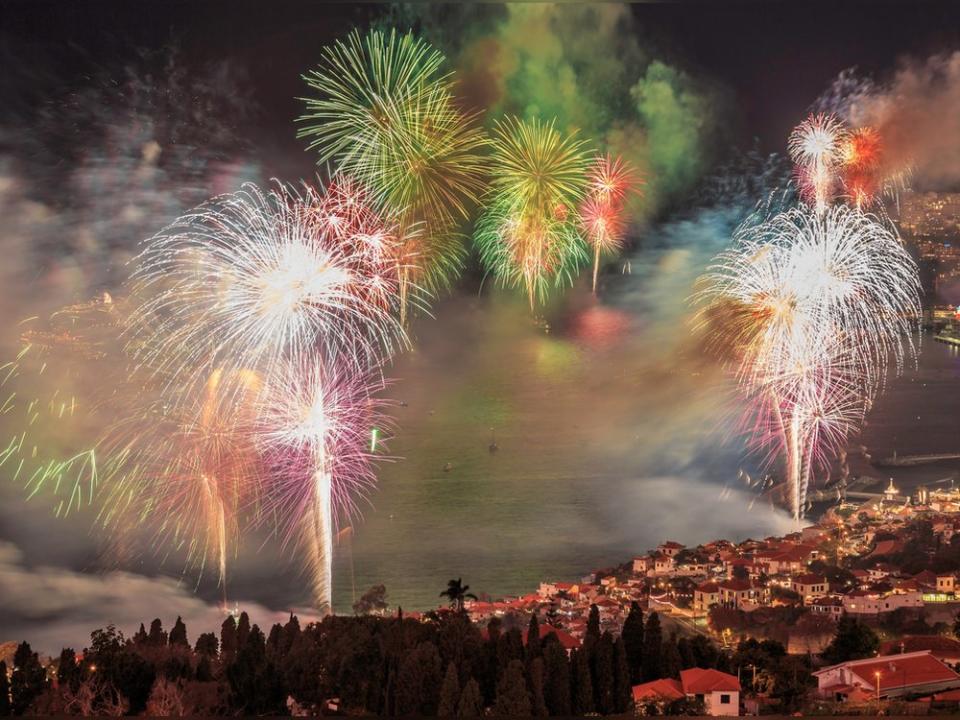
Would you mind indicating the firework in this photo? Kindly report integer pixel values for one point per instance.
(813, 307)
(528, 235)
(602, 213)
(255, 276)
(387, 116)
(316, 421)
(816, 148)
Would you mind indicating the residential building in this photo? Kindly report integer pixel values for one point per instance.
(718, 691)
(810, 587)
(886, 676)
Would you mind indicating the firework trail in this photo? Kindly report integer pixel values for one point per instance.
(386, 115)
(813, 306)
(529, 236)
(316, 420)
(602, 213)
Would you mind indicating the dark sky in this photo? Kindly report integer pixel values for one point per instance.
(776, 57)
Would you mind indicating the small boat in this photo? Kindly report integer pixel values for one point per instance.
(493, 447)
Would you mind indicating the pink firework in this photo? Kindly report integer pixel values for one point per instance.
(316, 423)
(603, 211)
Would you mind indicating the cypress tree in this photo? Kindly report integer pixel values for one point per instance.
(537, 700)
(471, 703)
(513, 700)
(603, 677)
(557, 691)
(449, 693)
(156, 637)
(670, 659)
(593, 623)
(69, 673)
(623, 688)
(633, 642)
(243, 630)
(228, 639)
(652, 649)
(533, 639)
(178, 635)
(582, 687)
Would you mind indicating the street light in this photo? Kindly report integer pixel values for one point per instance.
(877, 676)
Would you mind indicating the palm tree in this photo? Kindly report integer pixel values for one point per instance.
(457, 592)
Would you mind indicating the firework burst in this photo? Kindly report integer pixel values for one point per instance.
(814, 307)
(386, 115)
(816, 147)
(528, 236)
(256, 276)
(603, 211)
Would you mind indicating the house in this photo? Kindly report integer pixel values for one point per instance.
(670, 548)
(810, 587)
(642, 564)
(705, 596)
(742, 594)
(662, 565)
(828, 605)
(886, 676)
(865, 602)
(718, 691)
(946, 583)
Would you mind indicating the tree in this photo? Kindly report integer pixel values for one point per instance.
(623, 687)
(206, 645)
(956, 626)
(4, 690)
(28, 680)
(418, 681)
(537, 700)
(582, 700)
(533, 639)
(228, 639)
(602, 677)
(740, 572)
(853, 641)
(372, 602)
(457, 593)
(513, 700)
(652, 649)
(156, 637)
(670, 661)
(593, 624)
(471, 703)
(557, 690)
(449, 693)
(632, 635)
(166, 699)
(178, 636)
(69, 673)
(254, 682)
(140, 636)
(243, 630)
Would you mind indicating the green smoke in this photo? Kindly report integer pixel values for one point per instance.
(584, 66)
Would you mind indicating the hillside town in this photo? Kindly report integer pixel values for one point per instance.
(857, 613)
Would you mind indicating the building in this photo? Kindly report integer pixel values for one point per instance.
(670, 548)
(941, 647)
(886, 676)
(830, 605)
(718, 691)
(705, 596)
(742, 594)
(810, 587)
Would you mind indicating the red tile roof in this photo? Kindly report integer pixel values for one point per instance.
(709, 587)
(697, 681)
(663, 689)
(567, 641)
(897, 671)
(939, 645)
(810, 579)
